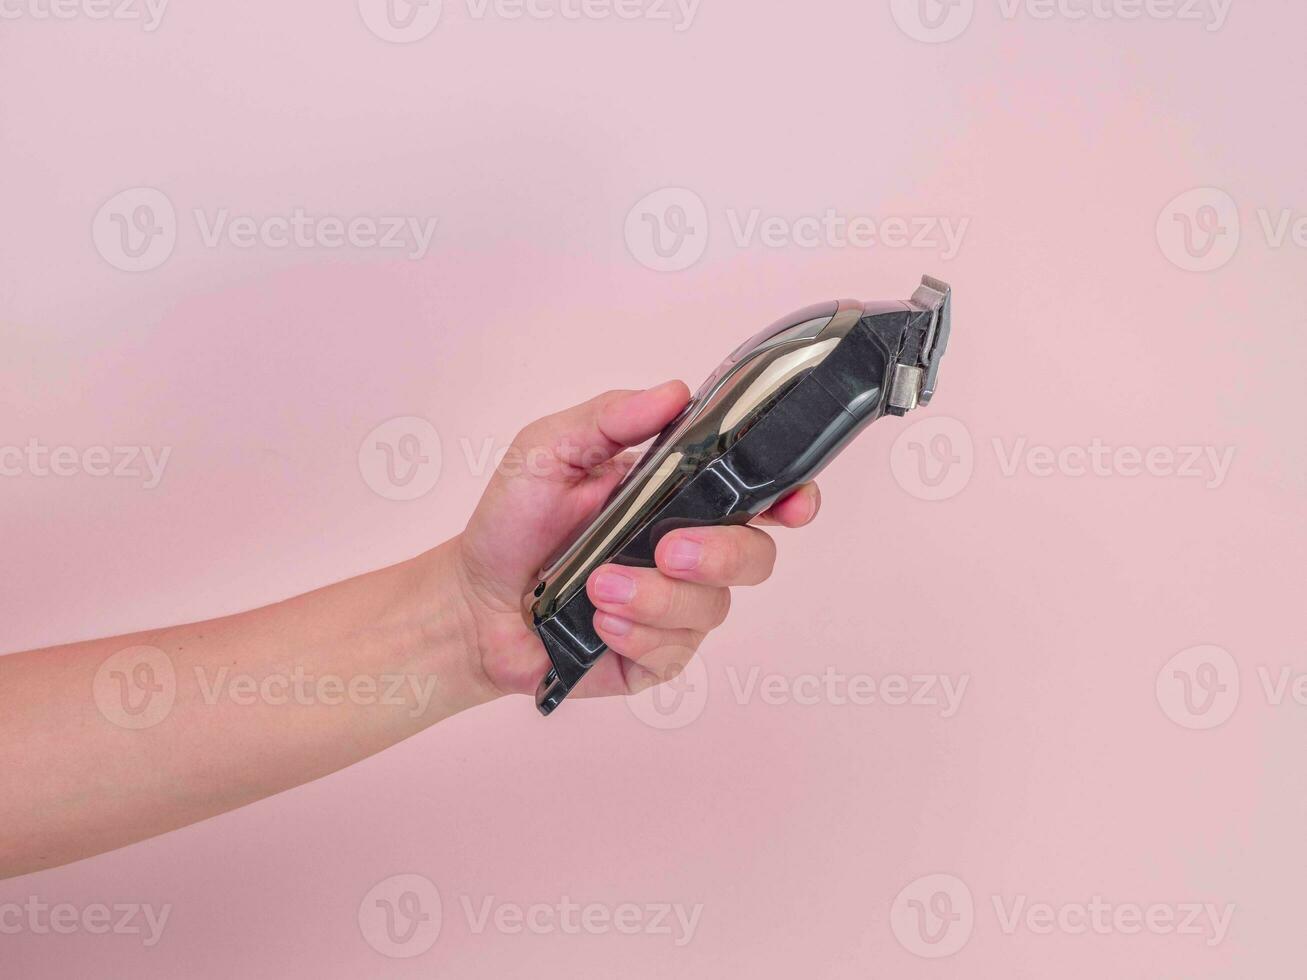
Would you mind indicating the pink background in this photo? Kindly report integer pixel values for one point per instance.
(1060, 597)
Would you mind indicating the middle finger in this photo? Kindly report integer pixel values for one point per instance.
(647, 596)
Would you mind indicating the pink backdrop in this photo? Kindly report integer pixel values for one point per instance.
(1021, 705)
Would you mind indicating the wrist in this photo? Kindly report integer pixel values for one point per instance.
(447, 626)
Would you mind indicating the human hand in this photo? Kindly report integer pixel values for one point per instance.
(555, 479)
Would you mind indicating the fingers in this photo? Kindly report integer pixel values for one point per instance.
(646, 656)
(580, 438)
(649, 598)
(653, 619)
(721, 556)
(795, 509)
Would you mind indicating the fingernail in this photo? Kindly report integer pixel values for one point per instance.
(684, 554)
(614, 587)
(615, 625)
(814, 497)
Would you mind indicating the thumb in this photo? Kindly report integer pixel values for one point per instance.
(572, 442)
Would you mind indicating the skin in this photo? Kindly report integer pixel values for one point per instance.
(445, 628)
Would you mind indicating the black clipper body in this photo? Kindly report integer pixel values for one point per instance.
(775, 412)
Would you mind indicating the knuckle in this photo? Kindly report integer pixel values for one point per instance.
(659, 598)
(721, 607)
(727, 556)
(527, 436)
(636, 645)
(747, 555)
(681, 603)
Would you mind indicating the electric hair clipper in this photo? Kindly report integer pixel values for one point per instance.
(775, 412)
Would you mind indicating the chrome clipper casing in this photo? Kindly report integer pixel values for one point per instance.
(770, 417)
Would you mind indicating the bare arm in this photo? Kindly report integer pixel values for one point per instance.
(111, 741)
(108, 742)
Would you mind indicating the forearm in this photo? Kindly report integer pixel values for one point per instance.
(202, 718)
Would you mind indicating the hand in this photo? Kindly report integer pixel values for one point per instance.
(556, 477)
